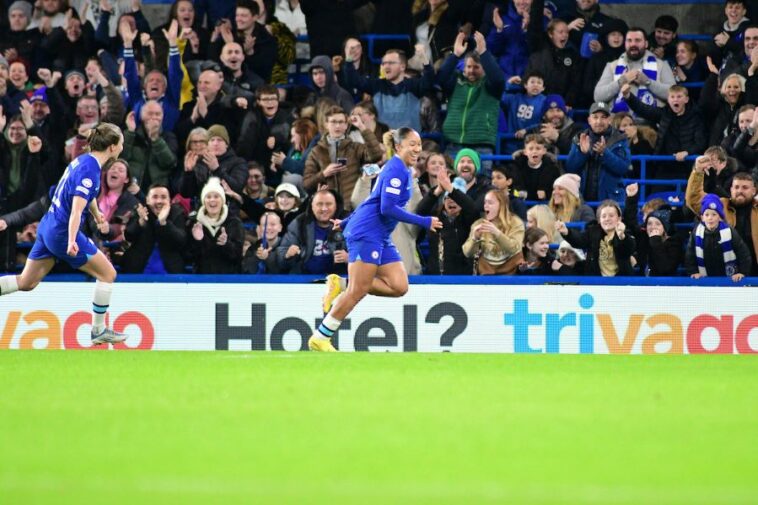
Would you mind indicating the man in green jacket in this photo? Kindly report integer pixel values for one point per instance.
(474, 98)
(150, 151)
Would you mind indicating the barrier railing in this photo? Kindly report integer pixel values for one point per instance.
(643, 181)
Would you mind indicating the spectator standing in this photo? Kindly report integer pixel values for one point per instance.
(397, 97)
(648, 76)
(473, 107)
(336, 160)
(600, 155)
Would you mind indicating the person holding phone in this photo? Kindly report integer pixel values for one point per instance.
(336, 161)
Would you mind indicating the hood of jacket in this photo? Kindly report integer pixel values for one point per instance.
(325, 62)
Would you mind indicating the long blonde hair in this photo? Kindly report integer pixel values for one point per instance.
(565, 211)
(504, 219)
(545, 220)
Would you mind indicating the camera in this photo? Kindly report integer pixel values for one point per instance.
(337, 241)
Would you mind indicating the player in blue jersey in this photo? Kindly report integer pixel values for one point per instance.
(59, 235)
(374, 265)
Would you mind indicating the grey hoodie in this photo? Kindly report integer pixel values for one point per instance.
(332, 89)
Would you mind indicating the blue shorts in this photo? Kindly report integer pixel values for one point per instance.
(52, 243)
(373, 251)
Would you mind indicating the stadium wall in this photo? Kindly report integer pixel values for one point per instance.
(505, 318)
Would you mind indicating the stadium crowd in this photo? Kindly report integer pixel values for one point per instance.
(233, 163)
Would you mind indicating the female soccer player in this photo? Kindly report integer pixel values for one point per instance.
(59, 235)
(374, 265)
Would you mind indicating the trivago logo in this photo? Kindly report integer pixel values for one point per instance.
(42, 329)
(661, 333)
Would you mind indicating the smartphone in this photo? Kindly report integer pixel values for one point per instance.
(342, 161)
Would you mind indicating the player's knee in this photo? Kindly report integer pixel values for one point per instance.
(27, 285)
(401, 289)
(109, 276)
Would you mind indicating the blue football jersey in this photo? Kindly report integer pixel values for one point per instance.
(377, 216)
(81, 178)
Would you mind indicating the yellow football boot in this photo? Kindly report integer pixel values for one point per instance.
(335, 285)
(320, 344)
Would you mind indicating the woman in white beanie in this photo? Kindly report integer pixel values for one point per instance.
(566, 200)
(216, 237)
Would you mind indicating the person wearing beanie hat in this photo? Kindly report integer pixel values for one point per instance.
(660, 250)
(566, 200)
(20, 6)
(612, 39)
(216, 236)
(219, 160)
(556, 127)
(467, 165)
(219, 131)
(715, 249)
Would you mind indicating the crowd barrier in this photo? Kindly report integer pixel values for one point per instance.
(439, 314)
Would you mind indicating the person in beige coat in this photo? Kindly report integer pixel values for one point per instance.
(336, 161)
(496, 239)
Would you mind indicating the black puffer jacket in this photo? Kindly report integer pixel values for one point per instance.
(589, 240)
(451, 237)
(675, 133)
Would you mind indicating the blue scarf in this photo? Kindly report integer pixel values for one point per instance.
(725, 239)
(650, 69)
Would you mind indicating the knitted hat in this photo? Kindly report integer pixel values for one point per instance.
(570, 182)
(22, 6)
(287, 187)
(711, 201)
(460, 184)
(553, 102)
(471, 154)
(566, 246)
(662, 215)
(39, 95)
(212, 186)
(218, 130)
(74, 72)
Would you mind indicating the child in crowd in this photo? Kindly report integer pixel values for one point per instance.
(570, 259)
(538, 259)
(715, 248)
(534, 171)
(522, 110)
(609, 248)
(258, 250)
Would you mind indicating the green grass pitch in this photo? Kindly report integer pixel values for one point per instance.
(232, 427)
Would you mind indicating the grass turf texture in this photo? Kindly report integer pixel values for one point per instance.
(225, 427)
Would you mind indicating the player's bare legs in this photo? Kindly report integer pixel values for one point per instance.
(34, 271)
(391, 280)
(101, 269)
